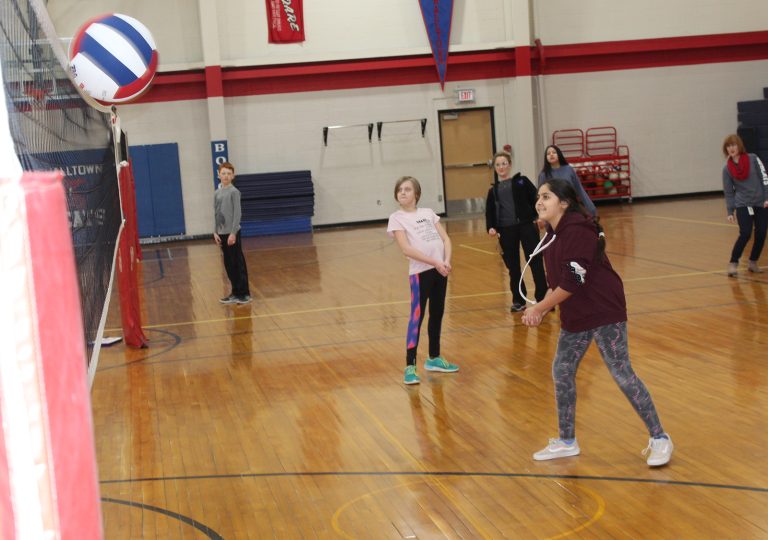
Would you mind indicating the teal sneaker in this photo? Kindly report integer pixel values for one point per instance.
(439, 364)
(410, 375)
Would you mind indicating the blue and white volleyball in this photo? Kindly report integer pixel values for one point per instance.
(113, 58)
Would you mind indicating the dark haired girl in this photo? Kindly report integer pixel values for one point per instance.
(592, 307)
(556, 166)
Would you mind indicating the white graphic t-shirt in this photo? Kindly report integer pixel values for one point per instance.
(420, 229)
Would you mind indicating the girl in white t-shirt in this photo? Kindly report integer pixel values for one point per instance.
(425, 243)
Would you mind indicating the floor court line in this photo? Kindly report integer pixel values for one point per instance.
(467, 246)
(393, 303)
(695, 221)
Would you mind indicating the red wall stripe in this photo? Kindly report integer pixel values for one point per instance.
(504, 63)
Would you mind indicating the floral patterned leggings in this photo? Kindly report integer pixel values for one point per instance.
(611, 340)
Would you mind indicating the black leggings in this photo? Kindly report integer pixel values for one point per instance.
(760, 222)
(428, 285)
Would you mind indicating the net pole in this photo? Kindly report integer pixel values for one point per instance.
(48, 449)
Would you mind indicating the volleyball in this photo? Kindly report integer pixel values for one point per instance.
(113, 58)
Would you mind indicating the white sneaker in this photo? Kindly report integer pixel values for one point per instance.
(557, 449)
(660, 451)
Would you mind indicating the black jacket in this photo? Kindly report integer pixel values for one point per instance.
(525, 195)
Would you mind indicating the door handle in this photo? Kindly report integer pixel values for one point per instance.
(467, 165)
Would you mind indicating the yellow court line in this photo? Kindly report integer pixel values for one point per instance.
(700, 222)
(477, 249)
(278, 314)
(466, 246)
(668, 276)
(382, 304)
(597, 515)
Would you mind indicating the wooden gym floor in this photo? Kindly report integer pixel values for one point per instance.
(288, 418)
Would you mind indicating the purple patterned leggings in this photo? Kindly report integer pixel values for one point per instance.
(611, 340)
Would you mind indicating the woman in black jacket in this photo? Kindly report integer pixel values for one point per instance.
(510, 215)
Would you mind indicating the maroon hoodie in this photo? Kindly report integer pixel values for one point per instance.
(597, 291)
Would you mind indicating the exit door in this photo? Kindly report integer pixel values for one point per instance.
(467, 143)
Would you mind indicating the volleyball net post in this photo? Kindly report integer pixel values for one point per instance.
(128, 257)
(48, 479)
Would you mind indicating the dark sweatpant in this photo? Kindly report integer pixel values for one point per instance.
(760, 222)
(510, 239)
(234, 264)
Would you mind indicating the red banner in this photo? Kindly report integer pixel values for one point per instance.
(286, 21)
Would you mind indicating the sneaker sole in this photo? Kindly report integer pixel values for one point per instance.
(441, 370)
(558, 455)
(411, 382)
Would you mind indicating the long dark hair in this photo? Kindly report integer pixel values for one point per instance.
(564, 191)
(547, 168)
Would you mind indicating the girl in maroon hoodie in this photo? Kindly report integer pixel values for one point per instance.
(592, 307)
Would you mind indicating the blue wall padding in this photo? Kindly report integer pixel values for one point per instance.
(276, 203)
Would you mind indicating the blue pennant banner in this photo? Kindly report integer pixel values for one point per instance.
(437, 20)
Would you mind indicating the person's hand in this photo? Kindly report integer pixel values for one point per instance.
(231, 239)
(492, 232)
(730, 218)
(765, 204)
(443, 268)
(217, 239)
(532, 316)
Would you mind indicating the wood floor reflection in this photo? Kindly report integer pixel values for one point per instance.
(288, 418)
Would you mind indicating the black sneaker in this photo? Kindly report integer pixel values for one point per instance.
(517, 307)
(228, 299)
(243, 299)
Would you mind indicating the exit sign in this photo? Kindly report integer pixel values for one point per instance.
(466, 95)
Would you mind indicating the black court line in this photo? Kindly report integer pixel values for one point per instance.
(755, 489)
(210, 533)
(175, 342)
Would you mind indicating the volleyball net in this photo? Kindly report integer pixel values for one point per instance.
(61, 233)
(53, 127)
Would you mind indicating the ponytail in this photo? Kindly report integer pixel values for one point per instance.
(600, 249)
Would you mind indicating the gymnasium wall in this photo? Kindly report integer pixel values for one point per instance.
(559, 22)
(673, 118)
(175, 24)
(335, 29)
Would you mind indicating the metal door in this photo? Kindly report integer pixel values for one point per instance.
(467, 143)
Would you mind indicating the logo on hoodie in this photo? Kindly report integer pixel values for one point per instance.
(578, 271)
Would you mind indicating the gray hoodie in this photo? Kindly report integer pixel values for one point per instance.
(753, 191)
